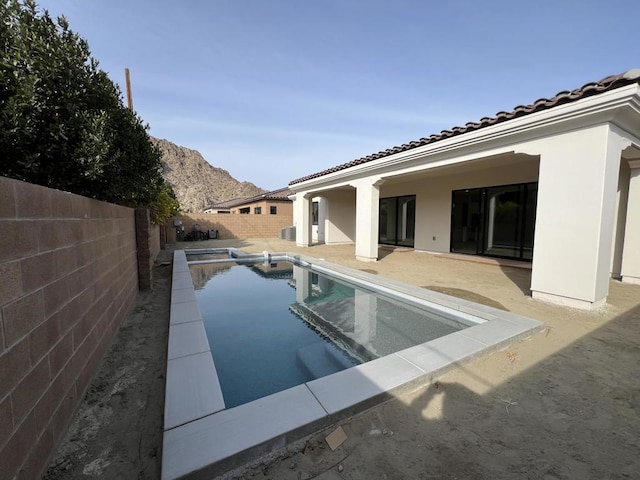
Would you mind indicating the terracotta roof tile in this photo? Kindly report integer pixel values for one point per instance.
(593, 88)
(280, 194)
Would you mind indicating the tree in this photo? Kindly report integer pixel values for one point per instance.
(63, 123)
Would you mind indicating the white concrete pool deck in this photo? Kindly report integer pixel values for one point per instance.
(199, 432)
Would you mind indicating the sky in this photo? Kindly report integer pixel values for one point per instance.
(273, 90)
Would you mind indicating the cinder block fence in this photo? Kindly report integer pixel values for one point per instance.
(68, 277)
(232, 225)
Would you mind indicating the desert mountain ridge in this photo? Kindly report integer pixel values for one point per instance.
(196, 183)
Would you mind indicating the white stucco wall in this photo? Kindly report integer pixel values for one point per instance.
(620, 219)
(630, 269)
(576, 206)
(433, 197)
(302, 219)
(340, 219)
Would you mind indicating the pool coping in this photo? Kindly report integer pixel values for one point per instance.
(202, 438)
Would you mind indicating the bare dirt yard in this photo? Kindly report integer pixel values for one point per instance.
(562, 404)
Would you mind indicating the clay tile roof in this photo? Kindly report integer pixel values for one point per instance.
(593, 88)
(281, 194)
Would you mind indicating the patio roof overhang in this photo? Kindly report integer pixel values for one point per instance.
(619, 107)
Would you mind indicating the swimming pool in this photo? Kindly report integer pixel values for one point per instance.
(204, 438)
(274, 325)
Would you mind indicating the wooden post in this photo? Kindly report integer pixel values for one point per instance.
(129, 96)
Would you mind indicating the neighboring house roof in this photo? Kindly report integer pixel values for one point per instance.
(227, 204)
(282, 194)
(594, 88)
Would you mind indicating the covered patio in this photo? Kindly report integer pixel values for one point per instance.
(556, 183)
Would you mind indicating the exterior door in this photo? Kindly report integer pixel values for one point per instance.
(494, 221)
(397, 221)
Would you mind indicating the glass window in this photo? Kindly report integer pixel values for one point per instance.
(494, 221)
(257, 210)
(314, 213)
(245, 210)
(273, 210)
(397, 220)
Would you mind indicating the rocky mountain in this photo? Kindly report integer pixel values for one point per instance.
(196, 183)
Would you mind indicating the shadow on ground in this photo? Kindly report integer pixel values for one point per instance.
(573, 415)
(466, 295)
(521, 278)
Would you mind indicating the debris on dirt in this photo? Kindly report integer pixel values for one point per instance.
(509, 403)
(336, 438)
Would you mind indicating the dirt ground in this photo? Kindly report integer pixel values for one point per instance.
(563, 404)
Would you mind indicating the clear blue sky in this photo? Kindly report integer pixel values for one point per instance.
(272, 90)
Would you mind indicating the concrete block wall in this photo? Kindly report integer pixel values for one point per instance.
(68, 277)
(155, 240)
(232, 225)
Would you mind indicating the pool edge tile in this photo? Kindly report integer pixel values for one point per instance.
(192, 390)
(183, 295)
(349, 387)
(184, 312)
(442, 352)
(187, 338)
(190, 448)
(500, 331)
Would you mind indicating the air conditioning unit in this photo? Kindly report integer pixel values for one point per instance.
(288, 233)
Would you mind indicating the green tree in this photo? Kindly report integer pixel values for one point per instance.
(63, 123)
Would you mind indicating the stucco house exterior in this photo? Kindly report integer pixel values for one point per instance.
(555, 183)
(276, 202)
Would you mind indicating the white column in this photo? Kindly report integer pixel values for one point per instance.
(302, 219)
(365, 317)
(302, 278)
(576, 203)
(322, 219)
(367, 218)
(630, 270)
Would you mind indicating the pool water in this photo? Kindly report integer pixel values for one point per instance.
(277, 325)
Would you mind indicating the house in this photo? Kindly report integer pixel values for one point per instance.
(555, 183)
(276, 202)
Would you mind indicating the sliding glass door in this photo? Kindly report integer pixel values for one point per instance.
(397, 220)
(494, 221)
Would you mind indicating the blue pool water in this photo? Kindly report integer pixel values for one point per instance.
(274, 326)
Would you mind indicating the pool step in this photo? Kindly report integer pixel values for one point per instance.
(319, 360)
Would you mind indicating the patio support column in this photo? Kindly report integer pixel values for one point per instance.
(302, 278)
(630, 270)
(302, 219)
(365, 317)
(577, 189)
(367, 218)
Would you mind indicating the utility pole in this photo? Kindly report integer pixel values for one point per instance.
(129, 96)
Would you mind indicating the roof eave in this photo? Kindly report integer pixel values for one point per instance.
(591, 110)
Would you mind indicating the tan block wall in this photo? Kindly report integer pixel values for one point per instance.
(68, 277)
(284, 208)
(232, 225)
(154, 241)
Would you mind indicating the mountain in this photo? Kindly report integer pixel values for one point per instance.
(196, 183)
